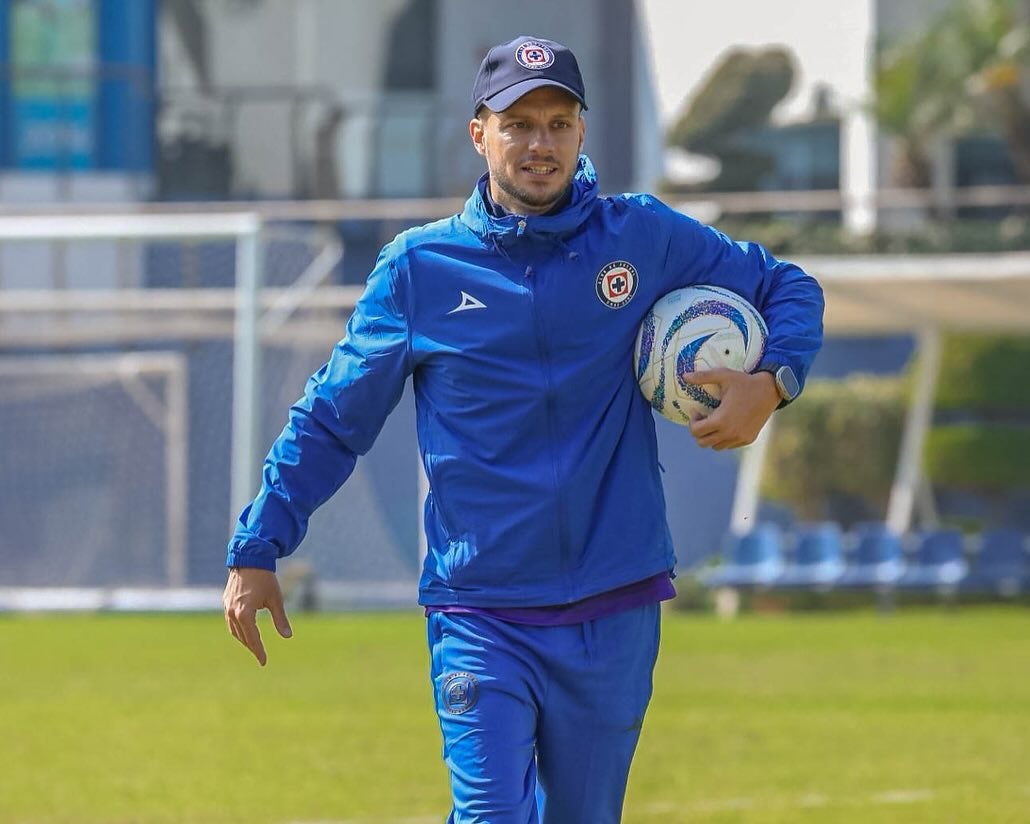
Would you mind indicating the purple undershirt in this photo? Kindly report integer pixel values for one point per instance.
(649, 591)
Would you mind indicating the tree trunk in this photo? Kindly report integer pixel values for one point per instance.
(911, 166)
(1015, 118)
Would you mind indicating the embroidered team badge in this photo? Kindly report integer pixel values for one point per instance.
(617, 283)
(534, 55)
(459, 692)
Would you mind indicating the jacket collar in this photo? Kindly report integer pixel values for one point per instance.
(507, 228)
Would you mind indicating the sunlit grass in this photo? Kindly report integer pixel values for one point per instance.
(918, 716)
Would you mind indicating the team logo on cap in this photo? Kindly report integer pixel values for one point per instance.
(459, 692)
(534, 55)
(617, 283)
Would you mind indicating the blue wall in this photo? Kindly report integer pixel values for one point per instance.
(113, 120)
(126, 48)
(5, 120)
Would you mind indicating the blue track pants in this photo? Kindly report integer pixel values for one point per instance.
(540, 723)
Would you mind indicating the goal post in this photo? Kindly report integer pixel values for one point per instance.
(146, 362)
(167, 411)
(245, 229)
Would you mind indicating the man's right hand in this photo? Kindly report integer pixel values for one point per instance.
(248, 590)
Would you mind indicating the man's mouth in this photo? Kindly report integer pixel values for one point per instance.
(539, 170)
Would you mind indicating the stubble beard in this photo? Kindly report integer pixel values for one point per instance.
(537, 202)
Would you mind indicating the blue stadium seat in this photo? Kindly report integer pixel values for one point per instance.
(1001, 566)
(939, 562)
(753, 560)
(878, 560)
(818, 559)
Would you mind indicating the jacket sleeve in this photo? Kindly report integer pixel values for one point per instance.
(344, 406)
(789, 299)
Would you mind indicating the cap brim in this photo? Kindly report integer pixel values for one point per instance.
(505, 98)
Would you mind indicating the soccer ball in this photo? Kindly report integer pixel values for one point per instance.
(690, 330)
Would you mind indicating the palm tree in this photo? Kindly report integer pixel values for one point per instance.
(967, 69)
(998, 43)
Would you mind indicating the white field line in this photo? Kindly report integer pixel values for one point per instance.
(903, 797)
(424, 819)
(808, 801)
(712, 805)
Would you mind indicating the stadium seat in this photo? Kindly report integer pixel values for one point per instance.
(818, 559)
(753, 560)
(878, 559)
(1001, 566)
(939, 563)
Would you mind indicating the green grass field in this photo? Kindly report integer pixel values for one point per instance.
(922, 715)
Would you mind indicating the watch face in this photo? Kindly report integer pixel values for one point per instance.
(787, 382)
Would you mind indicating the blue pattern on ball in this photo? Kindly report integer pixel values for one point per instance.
(686, 362)
(702, 307)
(646, 344)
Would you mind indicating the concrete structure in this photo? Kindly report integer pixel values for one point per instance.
(323, 98)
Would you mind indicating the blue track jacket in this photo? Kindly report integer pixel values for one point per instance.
(539, 447)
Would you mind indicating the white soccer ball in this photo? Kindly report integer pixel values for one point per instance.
(690, 330)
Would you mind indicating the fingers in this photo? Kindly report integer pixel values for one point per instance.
(243, 627)
(746, 402)
(727, 443)
(716, 376)
(230, 619)
(713, 432)
(282, 623)
(706, 429)
(233, 628)
(246, 592)
(252, 637)
(719, 441)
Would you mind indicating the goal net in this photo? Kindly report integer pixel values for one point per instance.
(146, 364)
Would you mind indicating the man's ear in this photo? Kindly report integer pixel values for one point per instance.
(478, 134)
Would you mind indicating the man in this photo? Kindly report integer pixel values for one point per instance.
(548, 550)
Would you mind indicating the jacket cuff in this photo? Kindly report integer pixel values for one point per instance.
(239, 558)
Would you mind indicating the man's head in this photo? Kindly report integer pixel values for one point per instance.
(528, 99)
(510, 70)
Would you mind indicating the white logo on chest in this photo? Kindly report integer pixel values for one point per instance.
(467, 302)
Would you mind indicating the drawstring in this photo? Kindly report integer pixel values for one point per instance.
(568, 255)
(499, 248)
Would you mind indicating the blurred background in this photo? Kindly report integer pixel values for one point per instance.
(192, 192)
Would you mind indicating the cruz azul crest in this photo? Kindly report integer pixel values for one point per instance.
(617, 283)
(460, 692)
(534, 55)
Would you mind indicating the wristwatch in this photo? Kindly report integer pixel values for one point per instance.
(786, 381)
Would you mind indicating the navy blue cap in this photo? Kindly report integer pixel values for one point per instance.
(526, 63)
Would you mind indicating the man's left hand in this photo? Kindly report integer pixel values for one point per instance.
(746, 402)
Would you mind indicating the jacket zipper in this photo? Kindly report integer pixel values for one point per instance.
(552, 416)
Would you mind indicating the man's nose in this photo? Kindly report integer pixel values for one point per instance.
(541, 138)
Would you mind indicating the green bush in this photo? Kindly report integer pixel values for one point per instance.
(980, 458)
(833, 453)
(986, 375)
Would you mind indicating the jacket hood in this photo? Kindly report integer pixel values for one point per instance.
(584, 196)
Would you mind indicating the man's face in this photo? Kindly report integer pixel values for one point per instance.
(531, 149)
